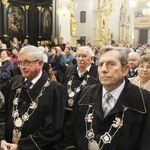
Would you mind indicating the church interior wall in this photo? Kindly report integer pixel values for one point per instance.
(148, 36)
(84, 29)
(114, 20)
(64, 20)
(64, 27)
(60, 23)
(136, 35)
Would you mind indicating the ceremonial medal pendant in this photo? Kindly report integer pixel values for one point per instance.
(16, 136)
(15, 101)
(90, 134)
(18, 122)
(33, 105)
(15, 140)
(106, 138)
(71, 94)
(69, 83)
(25, 117)
(70, 102)
(84, 82)
(78, 90)
(93, 145)
(117, 122)
(15, 114)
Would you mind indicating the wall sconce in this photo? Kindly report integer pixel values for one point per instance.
(64, 11)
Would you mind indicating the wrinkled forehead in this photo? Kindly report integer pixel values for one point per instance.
(111, 55)
(83, 52)
(25, 56)
(133, 57)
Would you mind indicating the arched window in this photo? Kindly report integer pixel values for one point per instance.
(82, 16)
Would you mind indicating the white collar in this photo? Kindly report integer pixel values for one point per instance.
(36, 78)
(86, 70)
(134, 69)
(115, 93)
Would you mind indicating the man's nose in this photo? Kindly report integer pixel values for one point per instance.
(104, 67)
(80, 58)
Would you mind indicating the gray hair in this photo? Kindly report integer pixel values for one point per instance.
(135, 54)
(123, 54)
(89, 50)
(33, 51)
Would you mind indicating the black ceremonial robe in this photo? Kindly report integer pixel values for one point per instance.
(71, 72)
(86, 121)
(44, 127)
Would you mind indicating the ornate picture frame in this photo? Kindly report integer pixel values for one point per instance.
(46, 22)
(15, 21)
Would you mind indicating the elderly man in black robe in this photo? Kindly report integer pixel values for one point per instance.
(34, 109)
(78, 76)
(113, 115)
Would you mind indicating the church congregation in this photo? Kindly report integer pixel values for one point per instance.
(74, 75)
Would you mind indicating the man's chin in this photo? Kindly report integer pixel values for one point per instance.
(81, 65)
(24, 75)
(105, 83)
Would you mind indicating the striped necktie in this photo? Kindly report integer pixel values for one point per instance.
(107, 104)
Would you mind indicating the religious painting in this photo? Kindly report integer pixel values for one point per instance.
(46, 23)
(15, 21)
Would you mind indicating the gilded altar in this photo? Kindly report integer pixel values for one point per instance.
(102, 31)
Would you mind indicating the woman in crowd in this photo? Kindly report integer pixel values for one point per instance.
(47, 50)
(14, 56)
(55, 42)
(5, 68)
(54, 60)
(66, 59)
(15, 43)
(143, 78)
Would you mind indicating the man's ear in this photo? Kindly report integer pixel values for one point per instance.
(41, 63)
(125, 69)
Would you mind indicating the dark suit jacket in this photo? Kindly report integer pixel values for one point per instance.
(5, 72)
(54, 62)
(130, 75)
(134, 132)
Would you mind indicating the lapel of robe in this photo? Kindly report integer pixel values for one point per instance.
(132, 98)
(98, 106)
(92, 96)
(34, 92)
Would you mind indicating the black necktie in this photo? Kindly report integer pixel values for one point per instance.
(28, 84)
(133, 72)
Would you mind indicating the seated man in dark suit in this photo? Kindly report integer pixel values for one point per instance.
(133, 64)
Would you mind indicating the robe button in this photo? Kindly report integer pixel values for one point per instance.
(24, 103)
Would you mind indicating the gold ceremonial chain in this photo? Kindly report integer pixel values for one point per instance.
(106, 138)
(19, 120)
(72, 93)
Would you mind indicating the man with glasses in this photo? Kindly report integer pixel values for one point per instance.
(34, 113)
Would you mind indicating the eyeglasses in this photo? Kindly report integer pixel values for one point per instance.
(26, 62)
